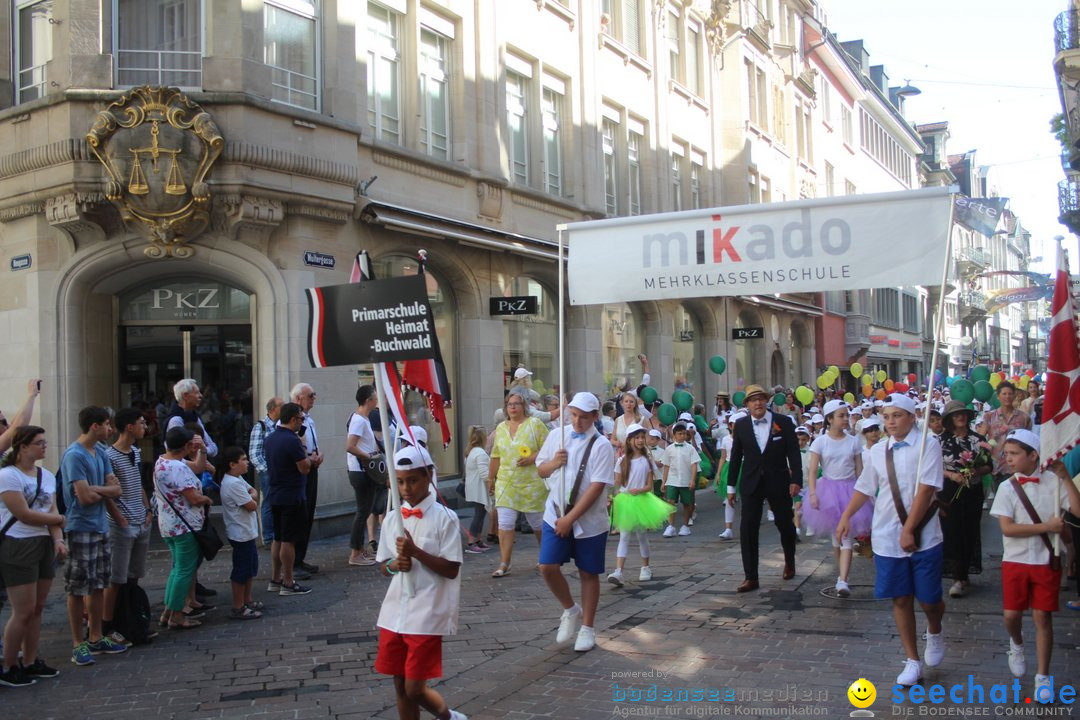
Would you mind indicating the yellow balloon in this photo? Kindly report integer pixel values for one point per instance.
(849, 398)
(995, 379)
(856, 369)
(867, 379)
(1023, 382)
(834, 370)
(881, 375)
(823, 382)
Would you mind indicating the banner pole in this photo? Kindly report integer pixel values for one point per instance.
(939, 328)
(391, 470)
(562, 366)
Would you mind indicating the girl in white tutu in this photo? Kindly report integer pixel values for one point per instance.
(839, 457)
(635, 508)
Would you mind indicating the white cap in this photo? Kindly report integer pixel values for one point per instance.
(738, 416)
(818, 419)
(419, 434)
(866, 405)
(802, 429)
(920, 406)
(656, 433)
(585, 402)
(1024, 436)
(686, 416)
(870, 424)
(634, 428)
(411, 457)
(520, 373)
(879, 403)
(814, 409)
(903, 402)
(832, 406)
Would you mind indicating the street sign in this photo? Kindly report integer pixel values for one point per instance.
(21, 262)
(748, 333)
(516, 305)
(319, 259)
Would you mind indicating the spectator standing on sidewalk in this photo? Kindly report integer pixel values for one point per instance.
(186, 409)
(242, 529)
(259, 433)
(304, 395)
(360, 446)
(288, 462)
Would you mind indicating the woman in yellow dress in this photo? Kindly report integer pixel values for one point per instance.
(512, 475)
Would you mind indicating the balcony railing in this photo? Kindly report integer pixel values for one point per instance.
(1069, 203)
(180, 68)
(1067, 31)
(972, 300)
(32, 83)
(976, 256)
(294, 88)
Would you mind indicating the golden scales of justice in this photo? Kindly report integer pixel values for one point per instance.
(174, 182)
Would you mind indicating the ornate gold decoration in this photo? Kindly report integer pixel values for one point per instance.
(157, 147)
(715, 26)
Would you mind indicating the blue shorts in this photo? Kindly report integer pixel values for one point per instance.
(918, 575)
(588, 553)
(245, 561)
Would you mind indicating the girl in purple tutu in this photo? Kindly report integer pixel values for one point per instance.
(839, 457)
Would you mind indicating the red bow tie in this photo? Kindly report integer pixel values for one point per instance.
(1022, 479)
(408, 512)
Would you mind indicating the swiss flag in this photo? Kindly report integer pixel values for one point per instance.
(1060, 429)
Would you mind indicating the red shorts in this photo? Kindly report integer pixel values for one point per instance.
(1030, 586)
(414, 657)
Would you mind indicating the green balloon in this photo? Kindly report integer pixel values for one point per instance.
(779, 399)
(738, 398)
(963, 391)
(668, 414)
(983, 390)
(717, 364)
(980, 373)
(701, 423)
(648, 395)
(683, 400)
(994, 401)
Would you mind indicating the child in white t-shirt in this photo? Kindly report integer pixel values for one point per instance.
(725, 484)
(680, 472)
(658, 455)
(1028, 579)
(239, 503)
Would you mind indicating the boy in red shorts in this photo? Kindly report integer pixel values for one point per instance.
(420, 538)
(1030, 571)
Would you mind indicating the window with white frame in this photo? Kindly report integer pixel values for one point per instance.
(830, 179)
(678, 154)
(33, 48)
(551, 107)
(804, 131)
(436, 35)
(753, 186)
(758, 101)
(621, 19)
(635, 145)
(849, 188)
(158, 42)
(766, 190)
(692, 72)
(290, 49)
(671, 31)
(383, 72)
(847, 128)
(608, 134)
(779, 128)
(697, 167)
(517, 120)
(826, 101)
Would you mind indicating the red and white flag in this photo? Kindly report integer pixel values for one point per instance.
(429, 377)
(1060, 429)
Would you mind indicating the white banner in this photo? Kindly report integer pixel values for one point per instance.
(844, 243)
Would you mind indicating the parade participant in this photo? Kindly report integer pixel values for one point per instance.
(477, 491)
(304, 395)
(658, 455)
(871, 434)
(513, 474)
(239, 503)
(420, 538)
(361, 446)
(965, 459)
(635, 509)
(1001, 421)
(907, 548)
(680, 473)
(1028, 403)
(866, 411)
(607, 419)
(766, 453)
(1027, 508)
(30, 530)
(934, 423)
(631, 415)
(839, 458)
(725, 485)
(803, 434)
(575, 516)
(258, 458)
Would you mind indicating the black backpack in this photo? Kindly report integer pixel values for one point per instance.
(131, 617)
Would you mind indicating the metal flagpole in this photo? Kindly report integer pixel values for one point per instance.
(562, 368)
(391, 470)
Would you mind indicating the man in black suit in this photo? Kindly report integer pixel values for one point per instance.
(764, 448)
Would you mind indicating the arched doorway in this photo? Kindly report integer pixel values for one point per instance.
(530, 341)
(799, 358)
(749, 353)
(777, 370)
(686, 352)
(623, 339)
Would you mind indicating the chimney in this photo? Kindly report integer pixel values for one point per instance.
(858, 53)
(879, 78)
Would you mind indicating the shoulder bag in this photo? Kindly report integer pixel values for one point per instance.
(1055, 560)
(901, 511)
(580, 473)
(206, 537)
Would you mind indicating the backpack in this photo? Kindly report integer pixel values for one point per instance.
(131, 617)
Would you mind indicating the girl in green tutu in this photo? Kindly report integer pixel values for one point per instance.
(635, 508)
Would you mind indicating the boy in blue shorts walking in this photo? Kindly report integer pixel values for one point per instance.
(907, 537)
(575, 515)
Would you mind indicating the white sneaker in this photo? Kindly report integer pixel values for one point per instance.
(615, 578)
(727, 535)
(1016, 659)
(690, 521)
(911, 674)
(455, 715)
(645, 574)
(935, 649)
(569, 624)
(669, 531)
(798, 530)
(809, 532)
(844, 590)
(1041, 695)
(586, 640)
(957, 590)
(684, 531)
(772, 517)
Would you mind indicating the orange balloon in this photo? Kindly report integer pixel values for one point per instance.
(867, 391)
(889, 385)
(880, 394)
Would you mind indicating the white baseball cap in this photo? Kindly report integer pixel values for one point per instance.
(802, 429)
(585, 402)
(634, 428)
(686, 416)
(419, 434)
(738, 416)
(520, 373)
(1026, 437)
(900, 401)
(879, 403)
(870, 424)
(814, 409)
(656, 433)
(832, 406)
(818, 419)
(867, 405)
(411, 457)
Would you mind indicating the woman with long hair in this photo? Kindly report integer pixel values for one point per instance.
(635, 508)
(477, 494)
(31, 541)
(631, 415)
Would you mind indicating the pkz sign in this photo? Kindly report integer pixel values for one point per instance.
(748, 333)
(206, 300)
(517, 305)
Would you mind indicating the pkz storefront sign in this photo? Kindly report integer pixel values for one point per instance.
(748, 333)
(516, 305)
(189, 301)
(319, 259)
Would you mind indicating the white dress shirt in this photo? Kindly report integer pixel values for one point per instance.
(761, 429)
(874, 482)
(433, 608)
(1029, 550)
(599, 469)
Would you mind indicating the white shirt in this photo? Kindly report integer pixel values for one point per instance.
(311, 438)
(640, 475)
(360, 426)
(433, 608)
(761, 429)
(477, 465)
(608, 424)
(874, 482)
(599, 469)
(837, 457)
(12, 479)
(240, 524)
(1029, 550)
(681, 462)
(659, 456)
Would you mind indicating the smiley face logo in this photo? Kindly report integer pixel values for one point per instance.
(862, 693)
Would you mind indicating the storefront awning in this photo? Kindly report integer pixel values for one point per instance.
(784, 304)
(396, 217)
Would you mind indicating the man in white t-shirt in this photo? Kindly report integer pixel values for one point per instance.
(575, 519)
(360, 446)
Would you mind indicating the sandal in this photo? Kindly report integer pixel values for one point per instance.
(255, 605)
(186, 625)
(244, 613)
(1073, 604)
(503, 571)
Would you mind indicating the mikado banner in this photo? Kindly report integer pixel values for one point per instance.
(845, 243)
